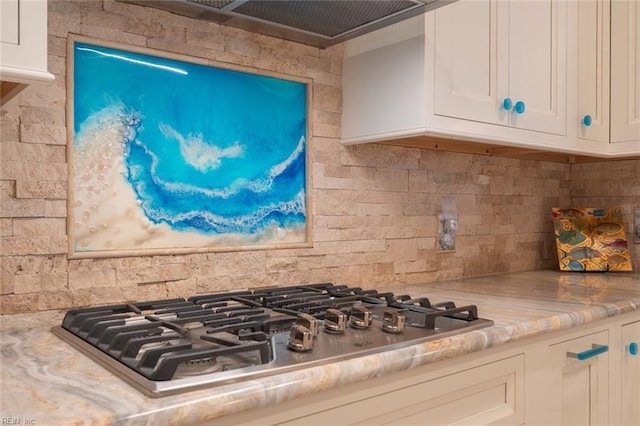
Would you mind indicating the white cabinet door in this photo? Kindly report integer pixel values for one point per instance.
(594, 23)
(631, 374)
(9, 16)
(490, 51)
(625, 71)
(23, 45)
(537, 64)
(471, 73)
(24, 42)
(578, 389)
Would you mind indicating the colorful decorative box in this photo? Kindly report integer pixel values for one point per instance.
(591, 239)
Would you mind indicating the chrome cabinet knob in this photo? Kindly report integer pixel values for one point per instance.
(393, 322)
(300, 338)
(360, 318)
(335, 321)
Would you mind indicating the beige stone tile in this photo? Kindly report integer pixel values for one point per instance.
(25, 321)
(46, 116)
(327, 98)
(362, 246)
(19, 303)
(14, 207)
(231, 60)
(92, 279)
(11, 170)
(413, 266)
(68, 300)
(6, 228)
(155, 274)
(61, 22)
(39, 226)
(27, 283)
(41, 189)
(44, 134)
(57, 47)
(242, 46)
(9, 129)
(400, 250)
(55, 208)
(106, 33)
(22, 152)
(36, 171)
(7, 277)
(52, 94)
(7, 189)
(57, 281)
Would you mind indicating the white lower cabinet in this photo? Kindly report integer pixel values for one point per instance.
(587, 375)
(630, 374)
(574, 382)
(492, 394)
(486, 391)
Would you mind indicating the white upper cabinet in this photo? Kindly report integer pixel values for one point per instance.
(545, 75)
(502, 62)
(23, 45)
(625, 72)
(487, 71)
(608, 75)
(383, 84)
(593, 70)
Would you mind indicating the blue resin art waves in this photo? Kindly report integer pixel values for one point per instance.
(200, 157)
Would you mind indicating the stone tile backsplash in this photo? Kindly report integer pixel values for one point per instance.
(374, 207)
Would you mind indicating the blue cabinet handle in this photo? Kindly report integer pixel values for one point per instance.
(507, 104)
(586, 120)
(519, 107)
(589, 353)
(633, 348)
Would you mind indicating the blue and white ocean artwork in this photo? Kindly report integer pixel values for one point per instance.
(171, 154)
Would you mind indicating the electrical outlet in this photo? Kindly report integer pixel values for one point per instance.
(447, 225)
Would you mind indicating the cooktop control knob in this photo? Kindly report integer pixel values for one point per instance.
(393, 322)
(360, 317)
(300, 338)
(310, 322)
(335, 321)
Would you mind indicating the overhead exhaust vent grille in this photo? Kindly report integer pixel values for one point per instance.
(320, 23)
(328, 18)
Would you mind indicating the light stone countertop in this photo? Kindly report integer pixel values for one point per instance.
(44, 381)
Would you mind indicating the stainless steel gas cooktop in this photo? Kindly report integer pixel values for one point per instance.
(164, 347)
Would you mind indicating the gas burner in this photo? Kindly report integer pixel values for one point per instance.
(169, 346)
(198, 367)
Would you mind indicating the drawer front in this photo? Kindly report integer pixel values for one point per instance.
(489, 394)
